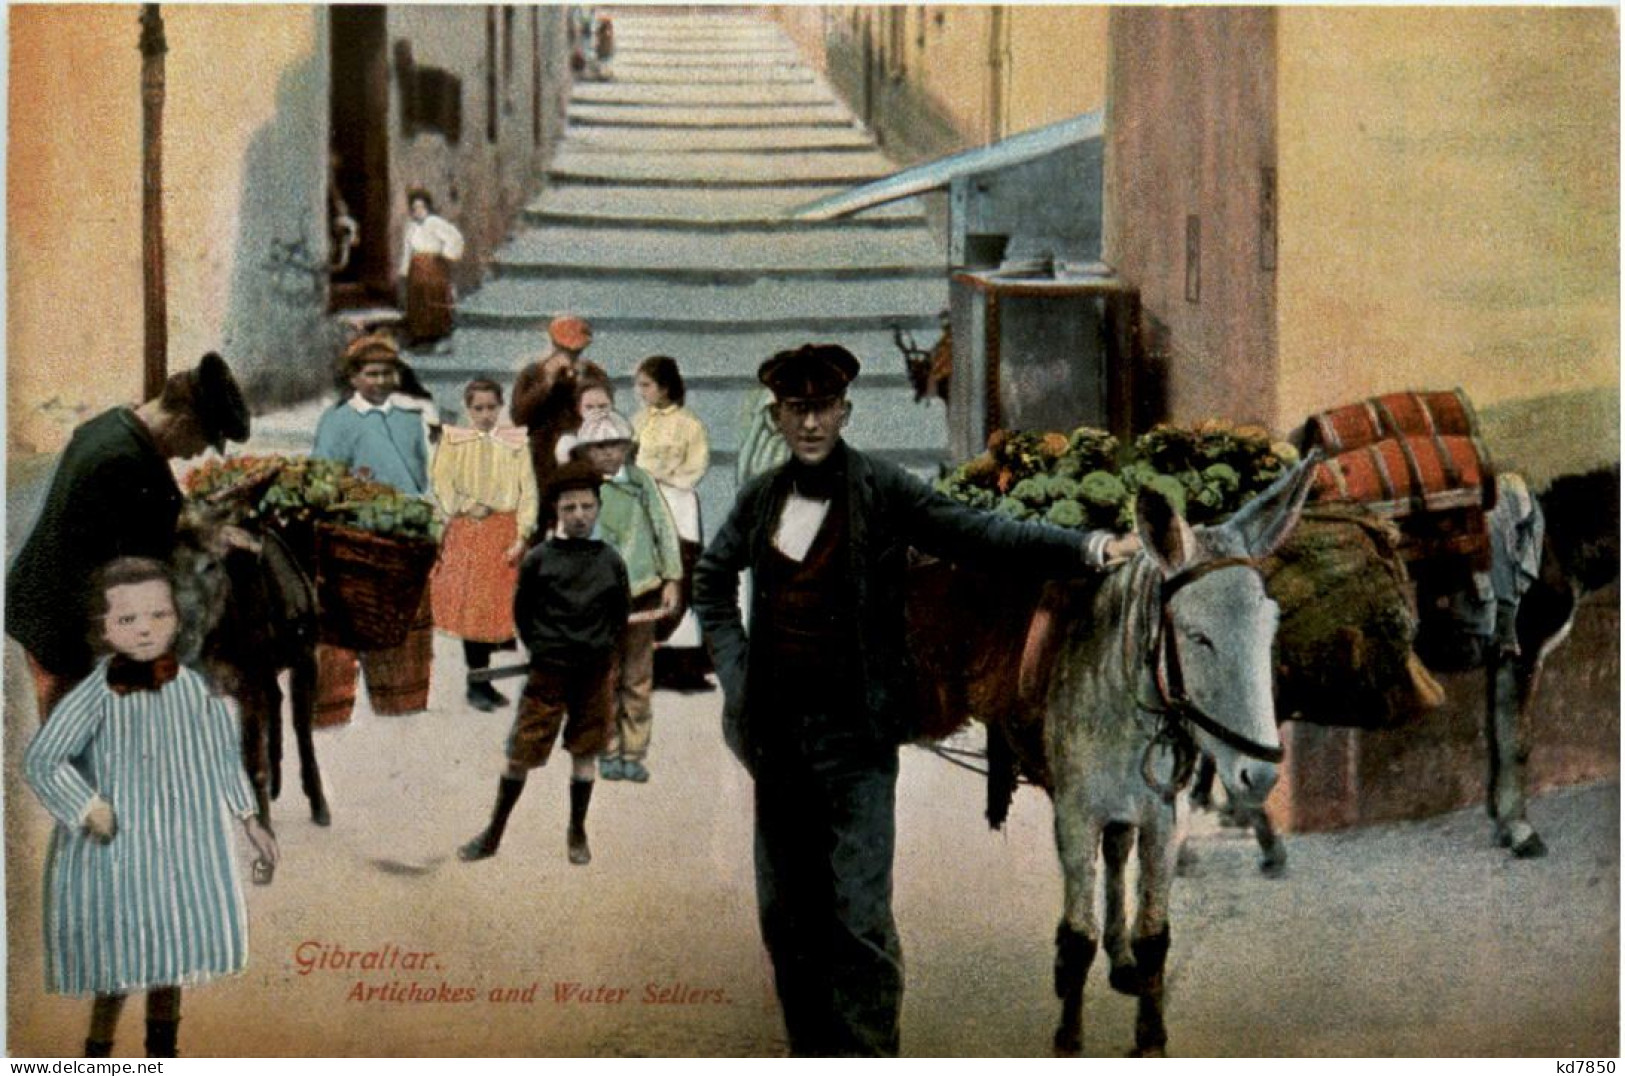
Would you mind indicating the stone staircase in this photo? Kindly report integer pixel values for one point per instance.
(663, 222)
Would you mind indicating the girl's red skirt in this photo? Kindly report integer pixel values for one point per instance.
(472, 585)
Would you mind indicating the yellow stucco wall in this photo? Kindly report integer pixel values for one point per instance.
(73, 213)
(1059, 64)
(1449, 185)
(241, 114)
(74, 325)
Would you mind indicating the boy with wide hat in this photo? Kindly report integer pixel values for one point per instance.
(818, 694)
(112, 495)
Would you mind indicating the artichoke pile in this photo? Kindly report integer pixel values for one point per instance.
(285, 491)
(1087, 480)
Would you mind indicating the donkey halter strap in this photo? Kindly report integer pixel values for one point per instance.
(1170, 677)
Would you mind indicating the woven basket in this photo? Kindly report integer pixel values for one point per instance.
(369, 586)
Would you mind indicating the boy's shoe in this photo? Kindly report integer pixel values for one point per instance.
(481, 847)
(610, 769)
(580, 854)
(479, 699)
(634, 770)
(498, 699)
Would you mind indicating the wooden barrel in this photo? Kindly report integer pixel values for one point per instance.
(335, 685)
(1402, 475)
(1396, 415)
(398, 678)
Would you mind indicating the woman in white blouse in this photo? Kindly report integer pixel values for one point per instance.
(432, 244)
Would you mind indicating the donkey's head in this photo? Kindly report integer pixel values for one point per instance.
(202, 586)
(1213, 666)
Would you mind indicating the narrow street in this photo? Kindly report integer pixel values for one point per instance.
(1418, 939)
(662, 224)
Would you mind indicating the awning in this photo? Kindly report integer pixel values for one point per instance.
(934, 175)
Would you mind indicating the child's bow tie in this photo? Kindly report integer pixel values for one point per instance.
(125, 675)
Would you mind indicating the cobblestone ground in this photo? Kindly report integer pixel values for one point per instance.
(1419, 939)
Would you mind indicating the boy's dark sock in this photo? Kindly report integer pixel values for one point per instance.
(580, 798)
(485, 845)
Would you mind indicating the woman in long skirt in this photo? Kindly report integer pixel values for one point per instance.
(432, 245)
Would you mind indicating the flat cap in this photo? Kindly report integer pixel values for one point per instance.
(812, 371)
(373, 347)
(577, 474)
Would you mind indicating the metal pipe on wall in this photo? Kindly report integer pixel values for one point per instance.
(155, 324)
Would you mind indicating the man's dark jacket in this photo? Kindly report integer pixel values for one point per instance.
(889, 511)
(113, 495)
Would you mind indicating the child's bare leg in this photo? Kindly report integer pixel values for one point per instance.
(104, 1014)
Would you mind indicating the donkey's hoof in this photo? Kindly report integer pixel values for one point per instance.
(1531, 847)
(1125, 979)
(320, 815)
(1068, 1042)
(1522, 840)
(1148, 1051)
(1273, 863)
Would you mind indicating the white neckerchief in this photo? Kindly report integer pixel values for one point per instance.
(363, 407)
(799, 524)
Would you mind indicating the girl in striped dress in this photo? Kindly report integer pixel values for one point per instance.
(140, 766)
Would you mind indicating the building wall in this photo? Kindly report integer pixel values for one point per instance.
(478, 183)
(941, 78)
(245, 177)
(1449, 188)
(238, 181)
(1190, 135)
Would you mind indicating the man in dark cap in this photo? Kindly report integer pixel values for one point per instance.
(818, 693)
(113, 495)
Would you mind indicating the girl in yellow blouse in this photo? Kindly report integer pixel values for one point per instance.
(674, 449)
(483, 480)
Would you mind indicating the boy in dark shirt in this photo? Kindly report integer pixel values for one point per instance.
(570, 609)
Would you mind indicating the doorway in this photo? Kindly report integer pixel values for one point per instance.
(359, 152)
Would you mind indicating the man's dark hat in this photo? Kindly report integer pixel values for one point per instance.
(577, 474)
(812, 371)
(218, 402)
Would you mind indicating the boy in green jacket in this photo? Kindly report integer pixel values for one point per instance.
(637, 524)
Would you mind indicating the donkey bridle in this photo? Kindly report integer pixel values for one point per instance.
(1176, 705)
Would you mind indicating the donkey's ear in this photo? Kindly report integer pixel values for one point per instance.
(1163, 533)
(1264, 522)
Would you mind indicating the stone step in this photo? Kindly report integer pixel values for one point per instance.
(718, 170)
(744, 56)
(769, 95)
(709, 119)
(589, 138)
(721, 74)
(730, 356)
(553, 251)
(764, 304)
(695, 209)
